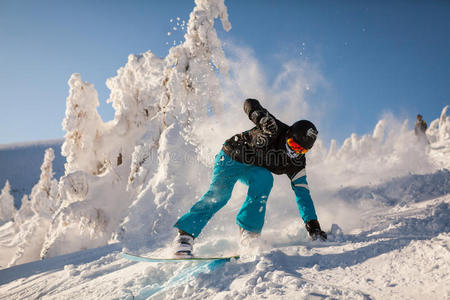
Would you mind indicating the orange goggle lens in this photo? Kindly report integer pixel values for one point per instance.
(296, 147)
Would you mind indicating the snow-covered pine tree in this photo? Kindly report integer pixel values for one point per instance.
(43, 196)
(189, 87)
(25, 212)
(84, 127)
(7, 209)
(34, 222)
(439, 129)
(157, 104)
(444, 125)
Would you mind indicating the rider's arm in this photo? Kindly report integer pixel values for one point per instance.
(304, 201)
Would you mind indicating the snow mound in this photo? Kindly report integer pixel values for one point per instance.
(401, 191)
(401, 254)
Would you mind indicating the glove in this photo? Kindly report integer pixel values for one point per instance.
(268, 124)
(313, 228)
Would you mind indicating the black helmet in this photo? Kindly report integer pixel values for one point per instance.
(304, 133)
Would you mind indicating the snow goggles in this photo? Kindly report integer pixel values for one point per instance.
(296, 147)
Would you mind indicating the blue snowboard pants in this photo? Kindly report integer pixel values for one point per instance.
(226, 173)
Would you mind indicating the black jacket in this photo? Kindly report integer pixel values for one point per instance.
(254, 147)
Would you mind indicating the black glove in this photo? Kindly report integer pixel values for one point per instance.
(313, 228)
(268, 124)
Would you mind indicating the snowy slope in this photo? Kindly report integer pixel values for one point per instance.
(402, 252)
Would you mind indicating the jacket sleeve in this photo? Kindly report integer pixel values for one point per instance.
(254, 110)
(303, 196)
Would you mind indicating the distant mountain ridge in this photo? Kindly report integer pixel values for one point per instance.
(20, 164)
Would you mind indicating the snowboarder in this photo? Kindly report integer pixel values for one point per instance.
(420, 127)
(251, 157)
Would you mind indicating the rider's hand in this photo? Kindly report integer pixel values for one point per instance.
(314, 230)
(268, 124)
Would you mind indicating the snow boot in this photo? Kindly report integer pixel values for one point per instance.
(183, 244)
(248, 238)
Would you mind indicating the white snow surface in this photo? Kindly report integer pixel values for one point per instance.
(383, 197)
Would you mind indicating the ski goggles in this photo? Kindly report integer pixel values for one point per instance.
(296, 147)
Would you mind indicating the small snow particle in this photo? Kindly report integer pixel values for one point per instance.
(169, 33)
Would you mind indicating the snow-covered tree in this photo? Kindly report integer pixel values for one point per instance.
(439, 129)
(35, 215)
(43, 196)
(444, 125)
(7, 209)
(84, 128)
(157, 103)
(190, 85)
(24, 212)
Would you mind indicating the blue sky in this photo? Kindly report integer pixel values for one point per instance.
(376, 56)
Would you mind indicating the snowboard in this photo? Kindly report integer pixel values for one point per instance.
(134, 257)
(183, 275)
